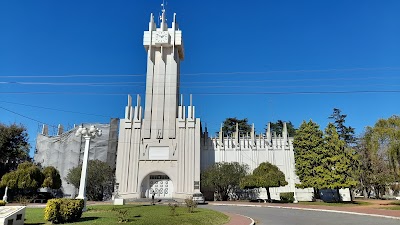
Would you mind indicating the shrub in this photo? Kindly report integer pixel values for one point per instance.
(2, 203)
(287, 197)
(172, 208)
(122, 215)
(63, 210)
(23, 200)
(190, 204)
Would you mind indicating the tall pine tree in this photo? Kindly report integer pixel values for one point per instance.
(335, 171)
(308, 147)
(346, 133)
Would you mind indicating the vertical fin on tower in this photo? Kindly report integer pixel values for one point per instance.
(137, 118)
(60, 129)
(221, 137)
(128, 109)
(237, 138)
(181, 110)
(138, 114)
(285, 134)
(252, 135)
(191, 112)
(269, 139)
(45, 130)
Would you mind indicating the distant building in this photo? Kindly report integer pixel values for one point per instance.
(65, 151)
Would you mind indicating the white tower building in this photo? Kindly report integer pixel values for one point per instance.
(159, 152)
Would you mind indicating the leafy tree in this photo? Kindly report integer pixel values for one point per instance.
(52, 178)
(100, 179)
(376, 169)
(308, 147)
(346, 134)
(27, 177)
(278, 127)
(265, 175)
(223, 177)
(385, 140)
(335, 170)
(14, 147)
(229, 126)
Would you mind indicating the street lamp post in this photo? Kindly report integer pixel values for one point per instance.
(88, 134)
(294, 191)
(5, 194)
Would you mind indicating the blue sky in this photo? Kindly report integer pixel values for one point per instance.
(261, 60)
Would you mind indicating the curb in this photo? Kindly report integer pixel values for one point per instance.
(309, 209)
(252, 221)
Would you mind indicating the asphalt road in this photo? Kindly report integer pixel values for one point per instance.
(276, 216)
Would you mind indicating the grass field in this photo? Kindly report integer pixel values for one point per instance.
(394, 205)
(137, 214)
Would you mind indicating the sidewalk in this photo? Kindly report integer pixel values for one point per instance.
(374, 207)
(236, 219)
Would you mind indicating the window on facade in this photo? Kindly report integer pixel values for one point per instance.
(159, 177)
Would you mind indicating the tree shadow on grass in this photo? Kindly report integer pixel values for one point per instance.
(34, 223)
(89, 218)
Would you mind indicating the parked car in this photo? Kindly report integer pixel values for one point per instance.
(199, 198)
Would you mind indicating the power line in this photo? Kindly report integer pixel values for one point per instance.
(297, 86)
(116, 84)
(74, 84)
(74, 75)
(27, 117)
(207, 73)
(294, 71)
(214, 93)
(60, 110)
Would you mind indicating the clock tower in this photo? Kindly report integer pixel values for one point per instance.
(159, 150)
(164, 53)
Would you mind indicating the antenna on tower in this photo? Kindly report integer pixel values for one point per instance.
(163, 4)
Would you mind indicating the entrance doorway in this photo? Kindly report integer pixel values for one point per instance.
(161, 185)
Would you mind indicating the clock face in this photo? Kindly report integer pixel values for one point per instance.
(162, 37)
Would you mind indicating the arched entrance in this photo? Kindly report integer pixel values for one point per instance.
(160, 184)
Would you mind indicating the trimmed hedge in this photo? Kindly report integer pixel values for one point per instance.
(2, 203)
(63, 210)
(287, 197)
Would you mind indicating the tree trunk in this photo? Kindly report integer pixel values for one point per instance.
(365, 192)
(339, 197)
(269, 195)
(363, 188)
(351, 194)
(316, 194)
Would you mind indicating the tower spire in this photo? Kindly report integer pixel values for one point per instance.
(163, 19)
(163, 6)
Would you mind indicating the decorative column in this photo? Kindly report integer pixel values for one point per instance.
(88, 134)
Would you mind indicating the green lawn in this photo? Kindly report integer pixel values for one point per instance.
(355, 203)
(138, 214)
(395, 205)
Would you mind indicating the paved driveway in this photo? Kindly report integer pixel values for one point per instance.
(276, 216)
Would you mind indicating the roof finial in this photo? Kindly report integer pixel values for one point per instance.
(163, 4)
(162, 18)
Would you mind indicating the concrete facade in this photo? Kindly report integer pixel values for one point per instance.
(252, 150)
(65, 151)
(159, 151)
(164, 149)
